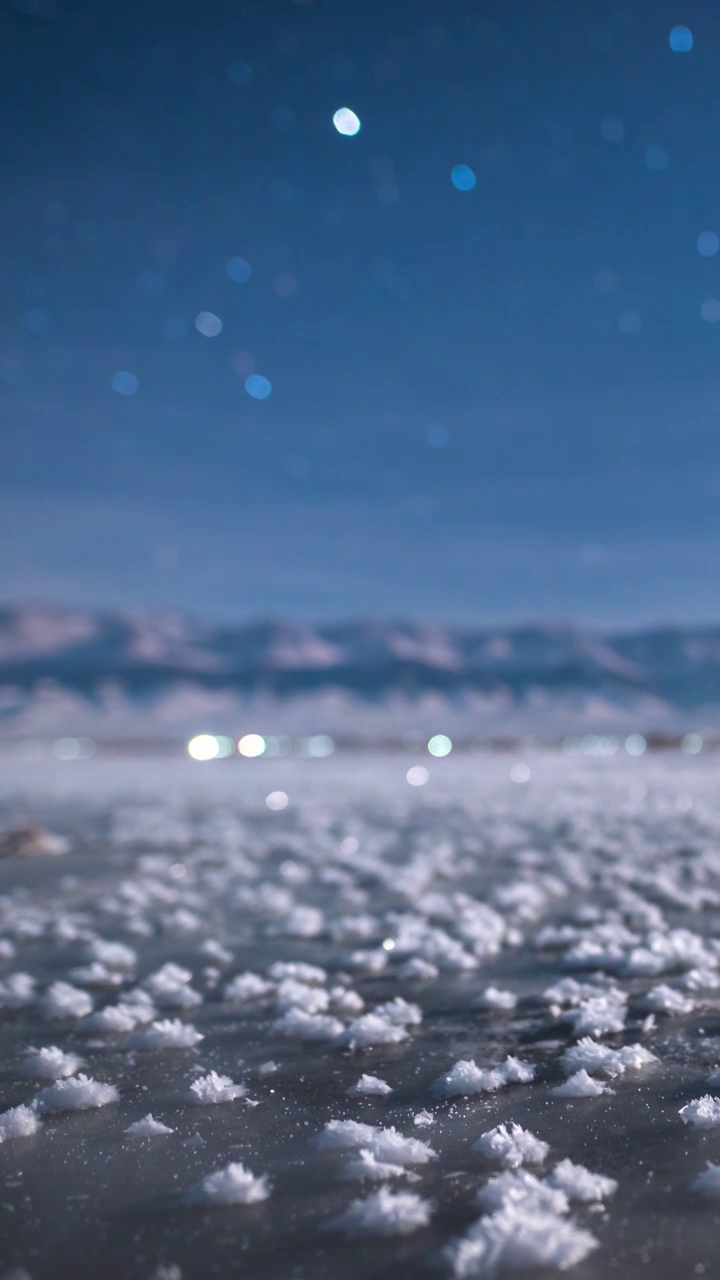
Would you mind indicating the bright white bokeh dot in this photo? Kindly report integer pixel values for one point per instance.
(346, 122)
(251, 744)
(204, 746)
(635, 744)
(520, 773)
(440, 745)
(277, 800)
(417, 776)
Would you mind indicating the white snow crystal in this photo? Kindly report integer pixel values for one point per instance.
(371, 1029)
(169, 1033)
(587, 1054)
(516, 1240)
(17, 990)
(232, 1185)
(703, 1113)
(78, 1093)
(517, 1187)
(299, 1025)
(148, 1127)
(418, 968)
(18, 1122)
(495, 998)
(114, 955)
(299, 970)
(114, 1018)
(62, 1000)
(371, 1085)
(423, 1119)
(579, 1183)
(399, 1012)
(466, 1078)
(385, 1213)
(512, 1146)
(581, 1085)
(386, 1145)
(246, 987)
(214, 1088)
(50, 1063)
(664, 999)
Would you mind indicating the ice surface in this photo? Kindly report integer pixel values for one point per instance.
(484, 936)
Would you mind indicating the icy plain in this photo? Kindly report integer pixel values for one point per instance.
(465, 1029)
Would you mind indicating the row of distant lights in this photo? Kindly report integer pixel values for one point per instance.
(212, 746)
(593, 744)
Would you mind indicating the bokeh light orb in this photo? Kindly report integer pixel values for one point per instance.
(277, 800)
(440, 745)
(635, 744)
(708, 244)
(124, 383)
(417, 776)
(238, 270)
(657, 159)
(204, 746)
(251, 745)
(710, 310)
(463, 177)
(258, 387)
(346, 122)
(208, 324)
(681, 40)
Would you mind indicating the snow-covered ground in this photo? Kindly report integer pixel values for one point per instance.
(302, 1019)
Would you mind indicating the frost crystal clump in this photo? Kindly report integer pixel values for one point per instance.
(371, 1086)
(581, 1085)
(387, 1145)
(148, 1127)
(78, 1093)
(18, 1122)
(511, 1146)
(62, 1000)
(515, 1239)
(232, 1185)
(385, 1213)
(169, 1033)
(50, 1063)
(703, 1113)
(466, 1078)
(579, 1183)
(214, 1088)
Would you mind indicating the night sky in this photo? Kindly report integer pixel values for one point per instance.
(485, 404)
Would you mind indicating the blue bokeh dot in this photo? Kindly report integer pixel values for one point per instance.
(258, 387)
(681, 40)
(126, 384)
(462, 177)
(238, 270)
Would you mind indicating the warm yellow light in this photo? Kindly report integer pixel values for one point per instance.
(204, 746)
(252, 744)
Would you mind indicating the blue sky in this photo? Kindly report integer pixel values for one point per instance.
(499, 403)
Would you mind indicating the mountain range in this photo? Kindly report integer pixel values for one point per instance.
(65, 670)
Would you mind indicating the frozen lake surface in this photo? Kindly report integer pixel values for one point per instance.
(474, 945)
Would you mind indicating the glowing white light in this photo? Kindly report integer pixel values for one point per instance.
(346, 122)
(251, 744)
(277, 800)
(208, 324)
(320, 745)
(520, 773)
(691, 744)
(635, 744)
(417, 776)
(440, 745)
(204, 746)
(388, 944)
